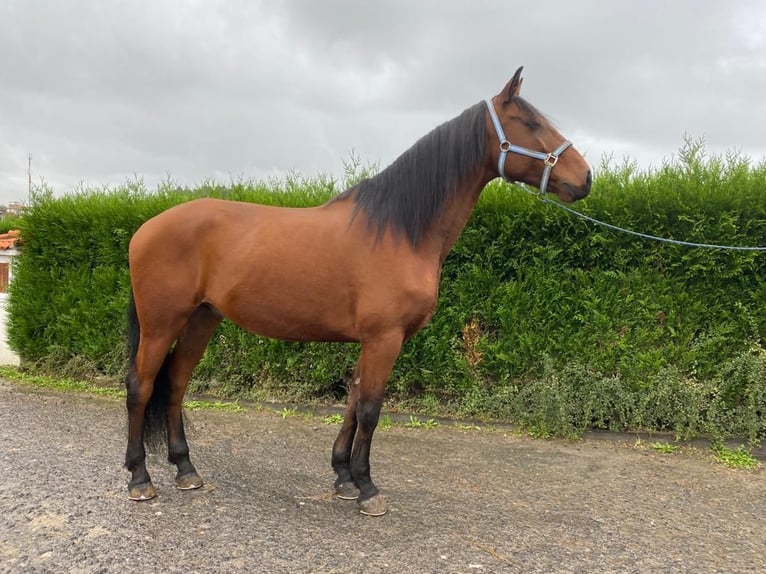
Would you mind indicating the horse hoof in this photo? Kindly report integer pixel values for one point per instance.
(145, 491)
(189, 481)
(347, 491)
(375, 506)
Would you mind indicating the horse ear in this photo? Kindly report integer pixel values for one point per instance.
(513, 87)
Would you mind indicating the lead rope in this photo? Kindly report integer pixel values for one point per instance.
(637, 233)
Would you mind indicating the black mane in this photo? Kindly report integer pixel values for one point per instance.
(410, 193)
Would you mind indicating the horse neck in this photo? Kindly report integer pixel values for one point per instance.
(448, 227)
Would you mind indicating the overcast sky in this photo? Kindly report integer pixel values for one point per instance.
(101, 90)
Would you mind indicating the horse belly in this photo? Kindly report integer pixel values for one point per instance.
(289, 325)
(297, 310)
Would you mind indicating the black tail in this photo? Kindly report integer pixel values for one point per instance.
(155, 422)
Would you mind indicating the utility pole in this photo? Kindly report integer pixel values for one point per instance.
(29, 173)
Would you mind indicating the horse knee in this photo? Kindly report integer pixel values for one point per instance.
(368, 413)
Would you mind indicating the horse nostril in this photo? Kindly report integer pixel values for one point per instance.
(589, 179)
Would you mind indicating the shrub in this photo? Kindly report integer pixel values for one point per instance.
(543, 319)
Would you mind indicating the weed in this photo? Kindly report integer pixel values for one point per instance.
(664, 447)
(416, 423)
(739, 458)
(385, 422)
(472, 333)
(539, 432)
(334, 419)
(288, 412)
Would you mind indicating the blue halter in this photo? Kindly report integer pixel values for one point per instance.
(506, 146)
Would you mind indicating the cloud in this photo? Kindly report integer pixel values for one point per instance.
(100, 90)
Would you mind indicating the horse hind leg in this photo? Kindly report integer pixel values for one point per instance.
(190, 346)
(143, 392)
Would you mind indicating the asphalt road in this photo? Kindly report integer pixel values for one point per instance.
(459, 500)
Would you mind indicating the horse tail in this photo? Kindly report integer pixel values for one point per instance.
(155, 420)
(134, 330)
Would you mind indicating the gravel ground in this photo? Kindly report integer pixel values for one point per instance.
(459, 500)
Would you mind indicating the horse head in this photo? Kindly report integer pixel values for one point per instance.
(531, 150)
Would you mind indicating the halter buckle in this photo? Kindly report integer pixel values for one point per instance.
(551, 160)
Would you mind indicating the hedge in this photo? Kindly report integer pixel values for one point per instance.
(543, 319)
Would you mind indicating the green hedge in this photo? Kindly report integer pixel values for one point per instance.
(543, 319)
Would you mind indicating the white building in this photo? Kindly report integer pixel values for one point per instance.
(8, 250)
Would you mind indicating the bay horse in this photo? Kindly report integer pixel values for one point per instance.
(363, 267)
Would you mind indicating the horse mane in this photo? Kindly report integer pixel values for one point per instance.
(410, 193)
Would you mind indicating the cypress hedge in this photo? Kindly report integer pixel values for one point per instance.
(543, 320)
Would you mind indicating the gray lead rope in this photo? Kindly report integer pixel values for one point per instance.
(644, 235)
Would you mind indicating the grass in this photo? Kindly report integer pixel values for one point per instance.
(664, 447)
(539, 432)
(198, 405)
(72, 385)
(334, 419)
(59, 384)
(660, 447)
(734, 458)
(385, 422)
(416, 423)
(739, 458)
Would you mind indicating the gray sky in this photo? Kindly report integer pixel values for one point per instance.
(101, 90)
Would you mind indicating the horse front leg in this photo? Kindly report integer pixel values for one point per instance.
(375, 364)
(345, 488)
